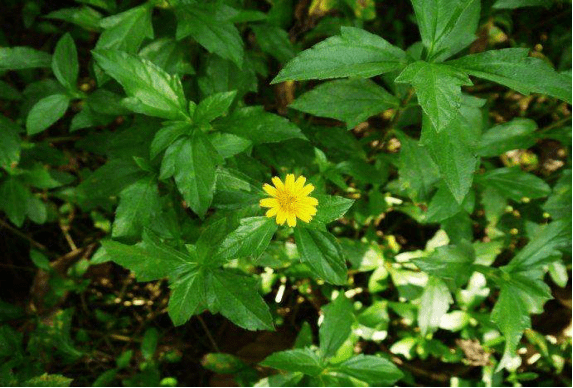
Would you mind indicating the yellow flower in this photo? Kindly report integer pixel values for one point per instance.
(289, 200)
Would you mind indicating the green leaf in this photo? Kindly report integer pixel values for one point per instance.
(152, 91)
(208, 26)
(443, 205)
(168, 54)
(138, 205)
(192, 161)
(244, 15)
(354, 53)
(417, 170)
(228, 145)
(55, 337)
(515, 184)
(451, 263)
(515, 134)
(150, 260)
(167, 135)
(9, 142)
(85, 17)
(559, 273)
(258, 126)
(65, 62)
(453, 150)
(216, 105)
(330, 208)
(250, 239)
(10, 341)
(493, 204)
(212, 234)
(9, 312)
(304, 336)
(222, 75)
(235, 190)
(8, 92)
(322, 253)
(46, 112)
(106, 5)
(36, 209)
(274, 41)
(296, 360)
(521, 294)
(106, 378)
(19, 58)
(445, 25)
(187, 297)
(48, 380)
(13, 200)
(110, 179)
(459, 228)
(127, 30)
(543, 248)
(237, 298)
(513, 68)
(40, 260)
(336, 326)
(37, 175)
(352, 101)
(558, 204)
(434, 303)
(375, 371)
(222, 363)
(512, 4)
(149, 343)
(438, 88)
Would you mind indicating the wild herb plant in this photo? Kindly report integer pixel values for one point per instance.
(415, 205)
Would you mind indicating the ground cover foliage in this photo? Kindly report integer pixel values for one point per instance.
(135, 140)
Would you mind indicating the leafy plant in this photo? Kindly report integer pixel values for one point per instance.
(419, 208)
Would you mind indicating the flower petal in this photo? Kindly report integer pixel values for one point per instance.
(278, 183)
(289, 183)
(304, 217)
(299, 184)
(281, 217)
(306, 190)
(291, 219)
(309, 201)
(310, 210)
(269, 202)
(270, 190)
(272, 212)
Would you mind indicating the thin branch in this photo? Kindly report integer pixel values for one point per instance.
(208, 333)
(22, 235)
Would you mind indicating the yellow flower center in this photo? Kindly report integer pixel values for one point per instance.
(287, 202)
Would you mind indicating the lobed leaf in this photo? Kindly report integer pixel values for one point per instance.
(65, 62)
(19, 58)
(322, 253)
(208, 26)
(513, 68)
(250, 239)
(258, 126)
(46, 112)
(375, 371)
(236, 297)
(152, 91)
(336, 326)
(438, 88)
(353, 53)
(295, 360)
(352, 101)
